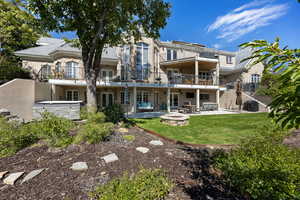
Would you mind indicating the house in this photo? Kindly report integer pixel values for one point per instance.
(165, 75)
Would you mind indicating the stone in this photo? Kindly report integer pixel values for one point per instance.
(2, 174)
(142, 149)
(12, 178)
(110, 158)
(156, 142)
(32, 174)
(79, 166)
(123, 130)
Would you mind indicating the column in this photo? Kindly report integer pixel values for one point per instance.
(196, 70)
(218, 98)
(168, 100)
(53, 92)
(198, 100)
(134, 99)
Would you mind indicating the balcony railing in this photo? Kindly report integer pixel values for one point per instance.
(144, 76)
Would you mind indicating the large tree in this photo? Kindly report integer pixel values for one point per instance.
(101, 23)
(18, 30)
(285, 63)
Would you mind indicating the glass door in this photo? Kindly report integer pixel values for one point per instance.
(107, 99)
(174, 99)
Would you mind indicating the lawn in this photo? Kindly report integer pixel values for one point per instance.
(211, 129)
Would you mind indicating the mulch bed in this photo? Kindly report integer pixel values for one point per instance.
(188, 167)
(293, 140)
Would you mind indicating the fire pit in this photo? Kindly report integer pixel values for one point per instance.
(175, 119)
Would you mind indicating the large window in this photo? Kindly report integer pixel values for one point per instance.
(72, 70)
(72, 95)
(142, 96)
(125, 67)
(123, 98)
(229, 60)
(46, 71)
(255, 78)
(107, 75)
(171, 54)
(142, 61)
(58, 67)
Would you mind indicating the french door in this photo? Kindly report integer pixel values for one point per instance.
(107, 99)
(174, 99)
(107, 75)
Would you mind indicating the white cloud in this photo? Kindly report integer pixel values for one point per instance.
(247, 18)
(217, 46)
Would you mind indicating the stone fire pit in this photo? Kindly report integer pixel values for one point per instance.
(175, 119)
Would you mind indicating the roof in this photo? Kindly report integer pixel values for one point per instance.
(50, 46)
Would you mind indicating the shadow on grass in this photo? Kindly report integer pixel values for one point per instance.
(207, 182)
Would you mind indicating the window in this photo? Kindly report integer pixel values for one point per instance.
(45, 71)
(72, 70)
(171, 54)
(107, 75)
(142, 97)
(190, 95)
(107, 99)
(142, 61)
(72, 95)
(205, 75)
(58, 67)
(204, 97)
(229, 60)
(255, 78)
(123, 98)
(174, 99)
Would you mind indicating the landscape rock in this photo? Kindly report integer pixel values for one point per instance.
(110, 158)
(79, 166)
(156, 142)
(2, 174)
(32, 174)
(12, 178)
(142, 149)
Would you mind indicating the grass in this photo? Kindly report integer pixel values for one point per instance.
(211, 129)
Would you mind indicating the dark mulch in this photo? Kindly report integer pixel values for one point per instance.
(188, 167)
(293, 140)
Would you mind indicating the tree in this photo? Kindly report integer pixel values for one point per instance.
(101, 23)
(285, 62)
(18, 30)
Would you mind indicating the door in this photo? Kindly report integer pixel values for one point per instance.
(107, 99)
(174, 99)
(107, 75)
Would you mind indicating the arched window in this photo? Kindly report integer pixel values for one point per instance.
(255, 78)
(72, 70)
(46, 71)
(142, 61)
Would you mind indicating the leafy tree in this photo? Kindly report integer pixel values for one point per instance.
(99, 24)
(285, 62)
(19, 30)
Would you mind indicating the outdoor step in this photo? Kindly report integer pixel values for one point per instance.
(142, 149)
(79, 166)
(156, 142)
(12, 178)
(110, 158)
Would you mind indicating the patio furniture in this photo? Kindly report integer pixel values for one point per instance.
(145, 106)
(209, 106)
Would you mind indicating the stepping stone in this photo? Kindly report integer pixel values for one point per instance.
(110, 158)
(79, 166)
(156, 142)
(2, 174)
(32, 174)
(142, 149)
(123, 130)
(11, 179)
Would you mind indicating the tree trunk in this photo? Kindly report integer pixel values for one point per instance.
(91, 95)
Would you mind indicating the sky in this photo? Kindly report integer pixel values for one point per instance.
(224, 24)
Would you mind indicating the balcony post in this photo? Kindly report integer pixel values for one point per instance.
(198, 100)
(134, 99)
(168, 100)
(196, 70)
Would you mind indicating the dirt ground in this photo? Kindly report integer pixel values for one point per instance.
(188, 167)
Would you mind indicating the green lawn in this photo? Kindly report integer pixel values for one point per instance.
(211, 129)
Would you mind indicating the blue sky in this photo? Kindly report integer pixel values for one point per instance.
(224, 24)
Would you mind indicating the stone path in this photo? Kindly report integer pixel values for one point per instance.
(11, 178)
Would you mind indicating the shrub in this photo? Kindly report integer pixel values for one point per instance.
(114, 113)
(93, 133)
(83, 112)
(129, 137)
(146, 184)
(55, 130)
(263, 168)
(13, 138)
(97, 117)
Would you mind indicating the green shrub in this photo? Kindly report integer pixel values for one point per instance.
(13, 138)
(97, 117)
(145, 185)
(263, 168)
(114, 113)
(83, 112)
(53, 129)
(93, 133)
